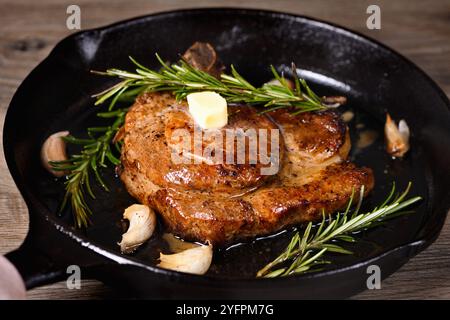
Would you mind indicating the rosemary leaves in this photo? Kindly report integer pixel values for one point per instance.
(96, 152)
(183, 79)
(304, 253)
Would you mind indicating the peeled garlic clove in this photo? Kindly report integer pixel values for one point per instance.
(142, 224)
(54, 149)
(397, 138)
(196, 260)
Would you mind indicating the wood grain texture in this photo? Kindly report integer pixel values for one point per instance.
(418, 29)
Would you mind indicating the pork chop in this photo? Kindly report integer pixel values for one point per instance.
(225, 203)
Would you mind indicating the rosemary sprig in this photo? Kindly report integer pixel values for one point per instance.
(96, 151)
(304, 253)
(183, 79)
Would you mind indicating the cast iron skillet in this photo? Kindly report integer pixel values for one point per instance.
(56, 96)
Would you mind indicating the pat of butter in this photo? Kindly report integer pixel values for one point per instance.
(208, 109)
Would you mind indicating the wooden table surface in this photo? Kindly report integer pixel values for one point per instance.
(420, 30)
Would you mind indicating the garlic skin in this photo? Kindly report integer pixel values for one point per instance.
(54, 149)
(142, 225)
(195, 260)
(334, 101)
(276, 82)
(397, 138)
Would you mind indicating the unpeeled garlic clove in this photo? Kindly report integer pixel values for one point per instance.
(397, 138)
(347, 116)
(142, 224)
(54, 149)
(276, 82)
(203, 56)
(195, 260)
(334, 101)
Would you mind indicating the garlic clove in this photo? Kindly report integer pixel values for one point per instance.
(142, 225)
(202, 56)
(347, 116)
(276, 82)
(195, 260)
(397, 138)
(334, 101)
(404, 129)
(54, 149)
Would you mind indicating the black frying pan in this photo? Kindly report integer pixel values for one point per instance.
(56, 96)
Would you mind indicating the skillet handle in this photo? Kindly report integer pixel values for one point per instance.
(34, 266)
